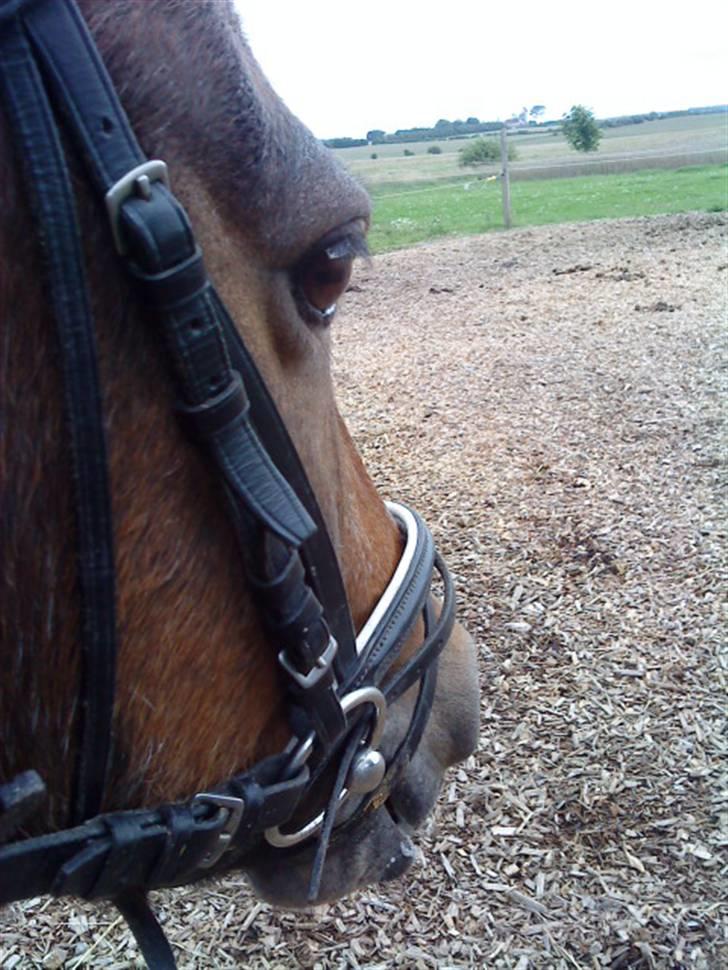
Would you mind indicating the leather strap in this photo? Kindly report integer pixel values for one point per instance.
(230, 409)
(295, 621)
(77, 74)
(158, 227)
(150, 849)
(52, 200)
(397, 622)
(134, 907)
(19, 799)
(434, 643)
(317, 553)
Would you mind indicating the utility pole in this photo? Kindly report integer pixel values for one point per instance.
(505, 180)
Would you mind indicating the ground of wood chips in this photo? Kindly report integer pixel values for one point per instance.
(551, 399)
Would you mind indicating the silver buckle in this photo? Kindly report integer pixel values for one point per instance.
(364, 695)
(233, 809)
(136, 182)
(320, 669)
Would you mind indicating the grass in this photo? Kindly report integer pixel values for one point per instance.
(403, 217)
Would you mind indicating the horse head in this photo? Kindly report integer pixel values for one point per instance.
(199, 695)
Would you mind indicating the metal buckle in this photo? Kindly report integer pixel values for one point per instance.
(136, 182)
(368, 695)
(364, 695)
(233, 809)
(319, 670)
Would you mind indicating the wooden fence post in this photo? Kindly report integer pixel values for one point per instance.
(505, 180)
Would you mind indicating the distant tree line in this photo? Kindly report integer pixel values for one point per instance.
(526, 120)
(345, 142)
(657, 115)
(442, 129)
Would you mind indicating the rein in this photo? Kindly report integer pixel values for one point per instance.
(339, 685)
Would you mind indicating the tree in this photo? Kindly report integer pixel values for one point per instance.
(482, 151)
(581, 130)
(537, 111)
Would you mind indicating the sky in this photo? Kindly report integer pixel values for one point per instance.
(347, 67)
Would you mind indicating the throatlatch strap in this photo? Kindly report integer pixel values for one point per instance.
(47, 179)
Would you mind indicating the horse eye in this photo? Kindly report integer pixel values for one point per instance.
(323, 279)
(323, 275)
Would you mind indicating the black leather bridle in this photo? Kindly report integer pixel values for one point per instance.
(339, 685)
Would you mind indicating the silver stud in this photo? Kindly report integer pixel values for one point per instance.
(367, 772)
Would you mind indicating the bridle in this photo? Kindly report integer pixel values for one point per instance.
(339, 685)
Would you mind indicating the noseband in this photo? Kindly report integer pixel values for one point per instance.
(339, 686)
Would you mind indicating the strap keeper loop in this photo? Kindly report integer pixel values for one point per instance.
(173, 287)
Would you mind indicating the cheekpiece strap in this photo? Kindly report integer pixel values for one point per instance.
(31, 116)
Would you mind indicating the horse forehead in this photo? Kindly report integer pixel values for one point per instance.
(297, 190)
(195, 93)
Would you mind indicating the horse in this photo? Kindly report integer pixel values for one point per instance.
(196, 692)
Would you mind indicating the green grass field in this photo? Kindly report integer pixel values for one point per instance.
(405, 216)
(664, 166)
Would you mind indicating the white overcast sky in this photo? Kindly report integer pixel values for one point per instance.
(346, 66)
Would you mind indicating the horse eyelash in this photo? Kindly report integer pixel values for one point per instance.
(353, 244)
